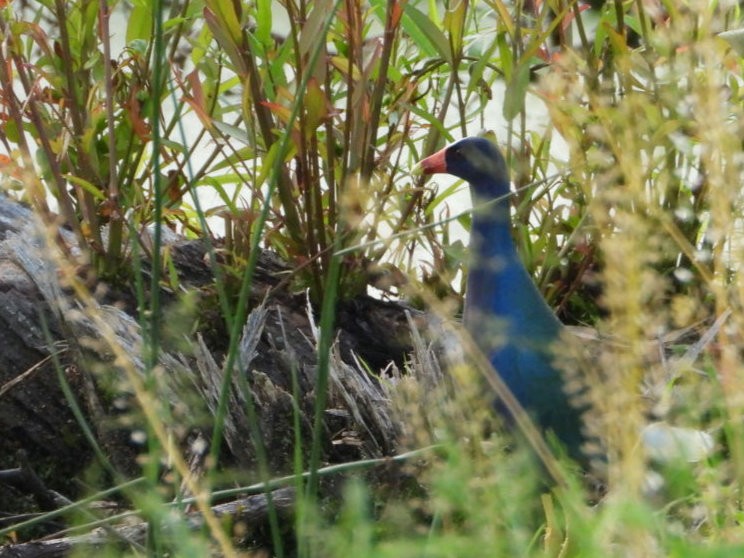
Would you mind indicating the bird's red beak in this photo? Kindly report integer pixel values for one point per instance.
(433, 163)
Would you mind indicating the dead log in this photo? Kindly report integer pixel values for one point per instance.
(244, 514)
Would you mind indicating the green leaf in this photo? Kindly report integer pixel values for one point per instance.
(233, 132)
(432, 120)
(139, 26)
(311, 30)
(11, 131)
(268, 161)
(174, 22)
(225, 39)
(87, 186)
(226, 18)
(479, 67)
(263, 22)
(454, 23)
(504, 16)
(138, 46)
(516, 91)
(174, 145)
(428, 32)
(506, 56)
(200, 45)
(316, 105)
(238, 157)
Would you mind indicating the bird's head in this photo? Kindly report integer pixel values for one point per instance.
(476, 160)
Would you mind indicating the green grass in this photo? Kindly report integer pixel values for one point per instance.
(308, 140)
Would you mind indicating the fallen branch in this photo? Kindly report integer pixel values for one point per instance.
(249, 511)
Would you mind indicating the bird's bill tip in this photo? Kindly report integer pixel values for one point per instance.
(432, 164)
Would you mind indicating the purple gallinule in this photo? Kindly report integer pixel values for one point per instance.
(505, 313)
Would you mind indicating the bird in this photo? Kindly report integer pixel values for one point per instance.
(510, 322)
(504, 312)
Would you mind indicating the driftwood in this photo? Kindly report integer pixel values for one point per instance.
(248, 511)
(49, 337)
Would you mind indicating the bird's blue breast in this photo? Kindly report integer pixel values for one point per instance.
(511, 323)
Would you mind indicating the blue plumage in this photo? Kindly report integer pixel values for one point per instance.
(504, 311)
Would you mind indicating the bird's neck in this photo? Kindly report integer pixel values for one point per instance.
(491, 229)
(498, 283)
